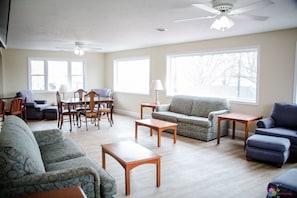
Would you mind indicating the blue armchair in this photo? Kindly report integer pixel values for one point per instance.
(34, 108)
(281, 123)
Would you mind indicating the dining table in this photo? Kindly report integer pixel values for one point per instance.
(70, 102)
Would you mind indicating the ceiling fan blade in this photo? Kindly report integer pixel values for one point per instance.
(252, 17)
(194, 19)
(252, 6)
(206, 8)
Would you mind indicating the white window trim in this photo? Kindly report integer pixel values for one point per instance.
(129, 59)
(46, 59)
(228, 51)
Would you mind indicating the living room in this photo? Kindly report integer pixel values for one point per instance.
(276, 83)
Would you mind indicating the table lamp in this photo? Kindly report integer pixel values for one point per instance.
(63, 88)
(157, 86)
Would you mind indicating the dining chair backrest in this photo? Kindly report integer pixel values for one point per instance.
(16, 107)
(2, 111)
(80, 93)
(92, 101)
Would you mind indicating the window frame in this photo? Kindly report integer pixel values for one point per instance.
(222, 51)
(46, 77)
(115, 74)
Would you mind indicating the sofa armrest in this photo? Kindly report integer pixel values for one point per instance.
(49, 136)
(266, 123)
(85, 177)
(40, 101)
(212, 114)
(163, 107)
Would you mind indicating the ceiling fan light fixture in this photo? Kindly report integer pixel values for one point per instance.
(79, 51)
(222, 22)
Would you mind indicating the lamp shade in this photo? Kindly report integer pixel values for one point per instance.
(156, 85)
(63, 88)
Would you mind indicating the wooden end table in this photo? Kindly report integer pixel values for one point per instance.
(237, 117)
(130, 154)
(158, 125)
(73, 192)
(150, 105)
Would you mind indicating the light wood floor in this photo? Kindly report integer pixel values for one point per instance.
(189, 168)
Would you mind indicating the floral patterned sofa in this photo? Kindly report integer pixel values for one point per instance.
(196, 117)
(44, 160)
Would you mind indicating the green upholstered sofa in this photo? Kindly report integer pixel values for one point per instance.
(44, 160)
(196, 117)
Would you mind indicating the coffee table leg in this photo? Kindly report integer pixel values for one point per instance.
(158, 166)
(127, 182)
(174, 135)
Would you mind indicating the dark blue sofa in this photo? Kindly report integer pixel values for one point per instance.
(281, 123)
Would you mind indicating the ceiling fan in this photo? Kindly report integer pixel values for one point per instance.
(223, 11)
(79, 48)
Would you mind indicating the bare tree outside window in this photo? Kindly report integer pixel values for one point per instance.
(231, 74)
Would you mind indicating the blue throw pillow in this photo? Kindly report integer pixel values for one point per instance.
(285, 115)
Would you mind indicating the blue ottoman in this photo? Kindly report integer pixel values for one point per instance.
(51, 113)
(268, 149)
(284, 185)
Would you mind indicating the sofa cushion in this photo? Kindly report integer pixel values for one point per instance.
(19, 124)
(285, 115)
(181, 104)
(61, 151)
(19, 156)
(106, 180)
(202, 106)
(168, 116)
(50, 136)
(194, 120)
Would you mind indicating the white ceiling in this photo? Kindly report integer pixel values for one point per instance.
(116, 25)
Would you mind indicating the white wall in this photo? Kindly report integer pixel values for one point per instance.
(277, 56)
(15, 70)
(277, 61)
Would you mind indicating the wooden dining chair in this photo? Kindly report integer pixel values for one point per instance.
(106, 111)
(65, 112)
(91, 108)
(15, 108)
(2, 111)
(79, 93)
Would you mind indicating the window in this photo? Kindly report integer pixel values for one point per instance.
(49, 74)
(228, 74)
(132, 75)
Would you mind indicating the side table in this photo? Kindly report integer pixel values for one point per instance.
(237, 117)
(150, 105)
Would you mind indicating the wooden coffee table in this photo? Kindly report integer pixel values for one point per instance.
(237, 117)
(130, 154)
(158, 125)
